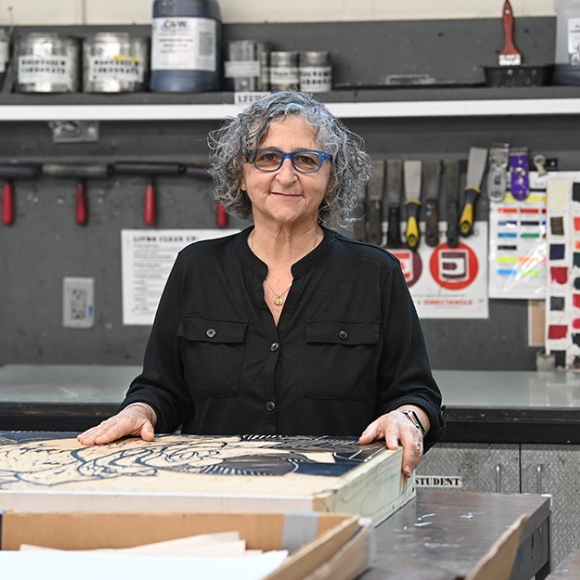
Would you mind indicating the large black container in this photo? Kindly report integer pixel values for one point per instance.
(185, 46)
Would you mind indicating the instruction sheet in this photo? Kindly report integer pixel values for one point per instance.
(147, 257)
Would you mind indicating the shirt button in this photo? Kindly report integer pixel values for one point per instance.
(274, 346)
(270, 406)
(210, 332)
(343, 335)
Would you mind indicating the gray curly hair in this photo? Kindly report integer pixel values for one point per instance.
(230, 145)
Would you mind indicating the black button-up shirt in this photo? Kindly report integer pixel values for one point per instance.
(348, 346)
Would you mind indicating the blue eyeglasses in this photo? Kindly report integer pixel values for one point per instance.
(304, 161)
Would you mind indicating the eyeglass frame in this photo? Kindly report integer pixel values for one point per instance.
(322, 154)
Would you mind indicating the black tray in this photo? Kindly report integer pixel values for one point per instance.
(518, 76)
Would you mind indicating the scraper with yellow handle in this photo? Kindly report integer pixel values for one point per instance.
(475, 170)
(412, 181)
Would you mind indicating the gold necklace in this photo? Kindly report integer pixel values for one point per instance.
(278, 301)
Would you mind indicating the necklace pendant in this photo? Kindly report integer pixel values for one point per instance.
(278, 300)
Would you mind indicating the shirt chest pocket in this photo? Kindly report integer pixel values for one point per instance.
(213, 353)
(343, 359)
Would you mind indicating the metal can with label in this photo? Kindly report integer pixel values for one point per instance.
(265, 66)
(283, 70)
(47, 63)
(115, 63)
(244, 64)
(185, 46)
(4, 54)
(315, 72)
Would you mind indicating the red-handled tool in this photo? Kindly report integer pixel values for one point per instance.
(221, 216)
(509, 55)
(7, 203)
(81, 209)
(149, 206)
(8, 173)
(200, 170)
(150, 170)
(79, 172)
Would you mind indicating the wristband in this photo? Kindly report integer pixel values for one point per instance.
(414, 419)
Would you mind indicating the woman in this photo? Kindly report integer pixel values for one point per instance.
(287, 327)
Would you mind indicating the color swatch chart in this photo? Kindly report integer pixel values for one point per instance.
(563, 285)
(517, 244)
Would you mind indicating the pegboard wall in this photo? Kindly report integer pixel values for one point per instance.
(45, 245)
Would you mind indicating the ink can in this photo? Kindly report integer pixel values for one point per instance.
(47, 63)
(244, 65)
(315, 72)
(284, 70)
(115, 63)
(185, 46)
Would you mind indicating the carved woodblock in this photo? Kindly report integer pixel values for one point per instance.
(179, 473)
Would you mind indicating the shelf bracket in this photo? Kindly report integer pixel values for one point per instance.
(74, 131)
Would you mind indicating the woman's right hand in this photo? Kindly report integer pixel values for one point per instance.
(132, 420)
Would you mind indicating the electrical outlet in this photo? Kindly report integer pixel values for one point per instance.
(78, 310)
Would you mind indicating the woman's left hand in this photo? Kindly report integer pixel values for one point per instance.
(397, 430)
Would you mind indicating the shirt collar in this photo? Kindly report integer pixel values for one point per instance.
(309, 262)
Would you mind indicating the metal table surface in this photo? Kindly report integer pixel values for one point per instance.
(441, 535)
(481, 406)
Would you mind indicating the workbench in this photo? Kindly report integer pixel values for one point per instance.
(507, 431)
(481, 406)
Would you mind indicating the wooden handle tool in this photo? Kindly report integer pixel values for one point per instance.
(509, 55)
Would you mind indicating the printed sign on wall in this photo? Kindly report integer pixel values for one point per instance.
(147, 257)
(448, 282)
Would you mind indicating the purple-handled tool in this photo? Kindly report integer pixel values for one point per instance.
(519, 174)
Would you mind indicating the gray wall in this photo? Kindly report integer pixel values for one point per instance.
(45, 244)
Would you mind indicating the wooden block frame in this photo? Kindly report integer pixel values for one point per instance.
(186, 473)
